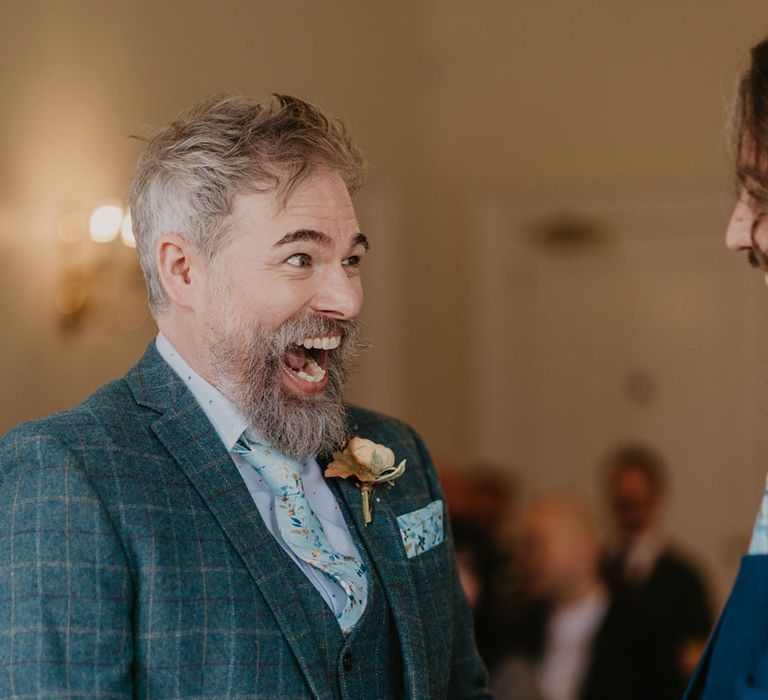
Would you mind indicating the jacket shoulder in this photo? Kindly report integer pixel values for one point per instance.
(363, 420)
(403, 440)
(110, 398)
(95, 421)
(389, 431)
(365, 416)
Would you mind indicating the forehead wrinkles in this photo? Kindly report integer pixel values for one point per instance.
(320, 209)
(326, 219)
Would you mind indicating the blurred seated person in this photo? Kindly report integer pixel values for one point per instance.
(643, 563)
(479, 499)
(484, 571)
(575, 640)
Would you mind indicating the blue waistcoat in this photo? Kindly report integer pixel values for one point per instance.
(367, 664)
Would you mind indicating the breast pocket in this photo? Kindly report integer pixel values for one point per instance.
(422, 529)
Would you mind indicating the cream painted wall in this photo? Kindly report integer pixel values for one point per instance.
(552, 94)
(450, 100)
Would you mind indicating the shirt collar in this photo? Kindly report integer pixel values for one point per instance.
(226, 419)
(645, 551)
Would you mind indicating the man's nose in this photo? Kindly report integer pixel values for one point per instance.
(339, 295)
(738, 235)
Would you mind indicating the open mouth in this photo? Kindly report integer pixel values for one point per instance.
(306, 362)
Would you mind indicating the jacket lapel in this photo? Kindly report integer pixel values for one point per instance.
(382, 541)
(190, 438)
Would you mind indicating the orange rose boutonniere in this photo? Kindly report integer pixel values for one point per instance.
(370, 463)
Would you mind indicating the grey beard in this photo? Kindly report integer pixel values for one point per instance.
(247, 361)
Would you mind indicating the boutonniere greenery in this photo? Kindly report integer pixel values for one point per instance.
(370, 463)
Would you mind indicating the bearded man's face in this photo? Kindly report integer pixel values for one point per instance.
(281, 325)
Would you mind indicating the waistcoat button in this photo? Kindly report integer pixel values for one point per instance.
(346, 661)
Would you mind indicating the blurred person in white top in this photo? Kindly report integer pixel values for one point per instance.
(575, 639)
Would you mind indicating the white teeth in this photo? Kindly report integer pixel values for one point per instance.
(326, 343)
(317, 373)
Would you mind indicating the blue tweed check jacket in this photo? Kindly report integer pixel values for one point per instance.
(134, 562)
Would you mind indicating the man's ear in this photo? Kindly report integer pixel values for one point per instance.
(182, 271)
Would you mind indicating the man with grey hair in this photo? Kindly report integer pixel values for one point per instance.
(216, 523)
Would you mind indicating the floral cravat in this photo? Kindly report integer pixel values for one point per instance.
(302, 531)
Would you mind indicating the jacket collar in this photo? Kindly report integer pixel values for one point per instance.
(226, 419)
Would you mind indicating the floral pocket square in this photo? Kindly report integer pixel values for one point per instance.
(422, 529)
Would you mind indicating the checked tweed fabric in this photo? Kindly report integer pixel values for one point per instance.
(301, 529)
(135, 564)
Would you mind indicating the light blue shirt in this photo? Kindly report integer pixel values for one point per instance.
(230, 424)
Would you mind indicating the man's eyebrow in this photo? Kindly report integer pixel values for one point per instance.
(304, 234)
(323, 239)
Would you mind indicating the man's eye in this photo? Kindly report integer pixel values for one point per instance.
(353, 261)
(299, 260)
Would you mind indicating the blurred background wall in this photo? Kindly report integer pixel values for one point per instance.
(549, 184)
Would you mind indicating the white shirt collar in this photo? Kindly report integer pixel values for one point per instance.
(226, 419)
(643, 553)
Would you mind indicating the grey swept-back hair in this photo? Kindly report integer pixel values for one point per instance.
(190, 171)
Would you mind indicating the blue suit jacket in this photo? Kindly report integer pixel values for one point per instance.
(134, 562)
(735, 663)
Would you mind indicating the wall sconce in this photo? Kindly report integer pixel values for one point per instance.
(101, 284)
